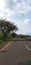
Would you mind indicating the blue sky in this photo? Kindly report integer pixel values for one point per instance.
(19, 12)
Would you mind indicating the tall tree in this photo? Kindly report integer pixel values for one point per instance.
(6, 27)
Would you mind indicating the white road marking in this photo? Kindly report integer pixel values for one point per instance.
(5, 46)
(27, 48)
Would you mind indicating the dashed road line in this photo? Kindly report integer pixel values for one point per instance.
(27, 48)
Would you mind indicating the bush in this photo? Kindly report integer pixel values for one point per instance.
(13, 34)
(28, 38)
(1, 41)
(1, 35)
(21, 36)
(9, 37)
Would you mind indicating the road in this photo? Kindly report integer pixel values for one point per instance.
(16, 53)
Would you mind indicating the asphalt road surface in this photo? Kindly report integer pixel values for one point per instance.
(17, 53)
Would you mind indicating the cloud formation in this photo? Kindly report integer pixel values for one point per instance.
(19, 12)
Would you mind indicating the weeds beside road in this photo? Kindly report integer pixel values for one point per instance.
(3, 44)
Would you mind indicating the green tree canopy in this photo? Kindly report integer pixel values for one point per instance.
(6, 27)
(13, 34)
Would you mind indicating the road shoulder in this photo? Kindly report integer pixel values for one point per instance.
(3, 46)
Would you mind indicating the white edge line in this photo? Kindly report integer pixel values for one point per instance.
(5, 46)
(27, 48)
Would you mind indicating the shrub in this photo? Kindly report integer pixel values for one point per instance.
(21, 36)
(13, 34)
(1, 35)
(9, 37)
(28, 38)
(1, 41)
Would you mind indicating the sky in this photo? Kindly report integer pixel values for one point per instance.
(19, 12)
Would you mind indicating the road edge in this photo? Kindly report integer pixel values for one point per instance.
(6, 46)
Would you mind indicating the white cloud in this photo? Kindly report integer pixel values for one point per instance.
(2, 15)
(24, 26)
(19, 7)
(22, 7)
(21, 12)
(14, 0)
(26, 22)
(9, 12)
(29, 1)
(2, 4)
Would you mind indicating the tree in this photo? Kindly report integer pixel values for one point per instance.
(6, 27)
(13, 34)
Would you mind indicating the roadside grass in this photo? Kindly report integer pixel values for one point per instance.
(28, 38)
(2, 44)
(5, 41)
(7, 38)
